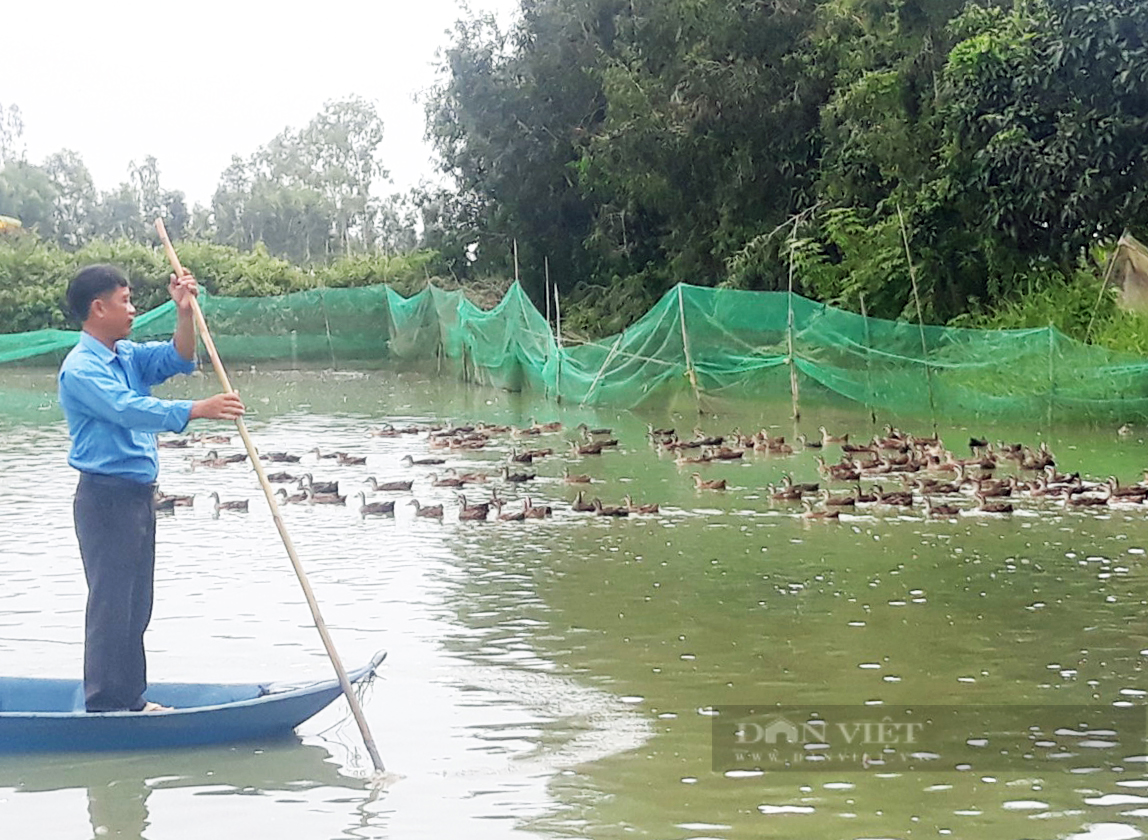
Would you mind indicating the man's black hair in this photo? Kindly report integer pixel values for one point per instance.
(92, 282)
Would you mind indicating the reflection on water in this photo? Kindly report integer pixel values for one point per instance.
(475, 740)
(125, 798)
(559, 677)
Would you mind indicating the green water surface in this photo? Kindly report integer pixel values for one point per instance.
(574, 664)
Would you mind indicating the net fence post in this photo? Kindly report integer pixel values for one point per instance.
(691, 374)
(602, 370)
(1051, 376)
(327, 327)
(794, 393)
(868, 364)
(558, 342)
(920, 320)
(546, 294)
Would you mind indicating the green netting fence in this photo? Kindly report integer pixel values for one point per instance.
(697, 343)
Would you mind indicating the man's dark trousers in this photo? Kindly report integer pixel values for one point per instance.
(115, 524)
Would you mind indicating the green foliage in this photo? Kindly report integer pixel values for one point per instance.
(406, 273)
(633, 144)
(858, 254)
(32, 284)
(34, 274)
(306, 195)
(593, 311)
(27, 194)
(1043, 126)
(507, 122)
(688, 135)
(1073, 303)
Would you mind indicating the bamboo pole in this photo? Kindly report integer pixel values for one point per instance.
(691, 373)
(1107, 277)
(557, 341)
(920, 319)
(253, 455)
(1051, 376)
(546, 285)
(327, 327)
(868, 364)
(546, 291)
(601, 370)
(794, 393)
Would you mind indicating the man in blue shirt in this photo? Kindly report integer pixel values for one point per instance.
(105, 390)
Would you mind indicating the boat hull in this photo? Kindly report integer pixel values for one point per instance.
(38, 715)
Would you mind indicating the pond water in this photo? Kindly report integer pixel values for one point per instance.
(559, 677)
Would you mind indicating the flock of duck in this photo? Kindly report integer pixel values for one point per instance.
(295, 473)
(899, 470)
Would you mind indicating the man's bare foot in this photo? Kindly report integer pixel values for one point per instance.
(155, 707)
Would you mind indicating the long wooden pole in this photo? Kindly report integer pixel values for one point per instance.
(602, 370)
(869, 401)
(253, 455)
(920, 319)
(691, 373)
(1107, 276)
(557, 337)
(793, 389)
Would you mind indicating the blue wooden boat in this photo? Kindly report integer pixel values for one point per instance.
(47, 715)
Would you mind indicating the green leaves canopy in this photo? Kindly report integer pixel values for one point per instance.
(680, 140)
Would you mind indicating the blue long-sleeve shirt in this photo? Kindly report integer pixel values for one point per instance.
(112, 417)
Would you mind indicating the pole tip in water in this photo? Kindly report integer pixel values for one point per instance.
(381, 780)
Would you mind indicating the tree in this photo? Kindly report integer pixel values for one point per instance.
(1044, 118)
(11, 134)
(631, 138)
(710, 133)
(341, 143)
(76, 201)
(307, 194)
(118, 215)
(144, 180)
(27, 193)
(508, 121)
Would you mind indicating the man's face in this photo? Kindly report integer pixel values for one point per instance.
(116, 312)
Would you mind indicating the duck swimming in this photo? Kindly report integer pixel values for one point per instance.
(374, 508)
(237, 506)
(426, 511)
(320, 487)
(472, 512)
(422, 462)
(314, 498)
(293, 499)
(628, 503)
(570, 478)
(389, 486)
(708, 483)
(581, 505)
(609, 510)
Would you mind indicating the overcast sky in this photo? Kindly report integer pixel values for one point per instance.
(195, 83)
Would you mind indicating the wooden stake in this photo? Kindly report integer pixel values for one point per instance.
(1107, 276)
(868, 364)
(557, 340)
(546, 285)
(794, 394)
(253, 456)
(920, 320)
(691, 374)
(1051, 376)
(601, 370)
